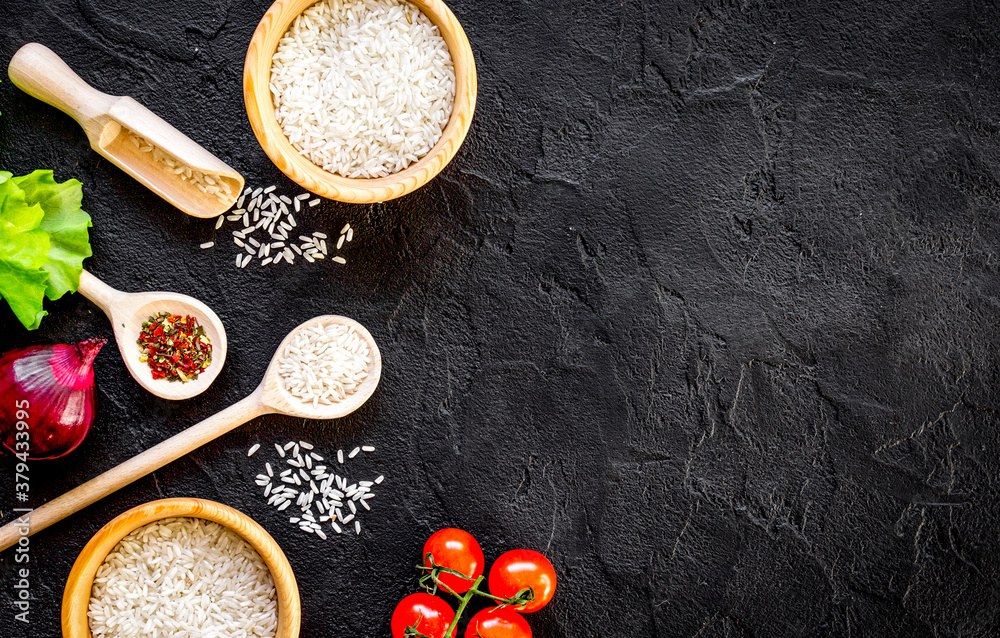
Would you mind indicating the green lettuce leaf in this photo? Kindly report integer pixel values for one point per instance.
(24, 249)
(43, 241)
(66, 223)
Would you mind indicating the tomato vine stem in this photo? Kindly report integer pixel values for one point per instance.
(431, 581)
(464, 600)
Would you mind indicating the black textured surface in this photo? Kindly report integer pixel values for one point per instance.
(705, 309)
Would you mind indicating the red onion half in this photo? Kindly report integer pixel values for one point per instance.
(47, 398)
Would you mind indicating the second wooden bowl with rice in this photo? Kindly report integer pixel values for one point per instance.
(181, 567)
(360, 100)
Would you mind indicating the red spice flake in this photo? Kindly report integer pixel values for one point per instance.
(175, 347)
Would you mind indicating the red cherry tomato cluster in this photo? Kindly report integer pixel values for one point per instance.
(520, 581)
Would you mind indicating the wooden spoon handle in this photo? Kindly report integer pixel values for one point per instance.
(138, 466)
(99, 292)
(40, 73)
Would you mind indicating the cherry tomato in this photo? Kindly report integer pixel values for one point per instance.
(521, 568)
(429, 614)
(498, 622)
(458, 550)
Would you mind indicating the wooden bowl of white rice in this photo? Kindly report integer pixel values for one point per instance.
(178, 568)
(360, 100)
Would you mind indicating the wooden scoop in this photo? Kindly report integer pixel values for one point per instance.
(135, 139)
(127, 311)
(269, 397)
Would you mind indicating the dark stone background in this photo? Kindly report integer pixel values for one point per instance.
(705, 309)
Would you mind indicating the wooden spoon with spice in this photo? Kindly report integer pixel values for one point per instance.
(170, 333)
(272, 396)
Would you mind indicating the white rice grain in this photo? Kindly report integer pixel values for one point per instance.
(184, 578)
(362, 88)
(324, 365)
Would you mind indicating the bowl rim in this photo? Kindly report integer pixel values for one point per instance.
(76, 596)
(260, 110)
